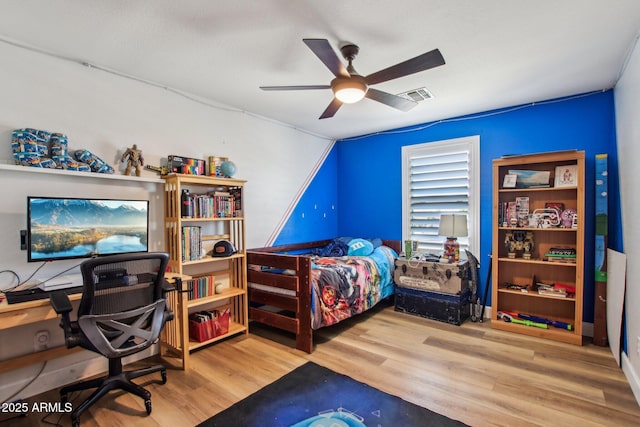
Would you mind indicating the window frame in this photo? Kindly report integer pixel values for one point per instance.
(469, 143)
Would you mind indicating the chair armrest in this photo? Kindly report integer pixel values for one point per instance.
(60, 302)
(62, 306)
(167, 287)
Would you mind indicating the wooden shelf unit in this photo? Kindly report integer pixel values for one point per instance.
(524, 271)
(230, 271)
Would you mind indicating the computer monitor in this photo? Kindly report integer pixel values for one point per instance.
(63, 228)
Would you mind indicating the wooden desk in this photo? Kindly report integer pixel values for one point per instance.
(24, 313)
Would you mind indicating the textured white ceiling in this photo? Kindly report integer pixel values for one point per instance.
(498, 53)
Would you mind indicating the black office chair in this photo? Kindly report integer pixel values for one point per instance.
(122, 312)
(474, 265)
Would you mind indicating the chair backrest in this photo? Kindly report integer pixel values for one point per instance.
(122, 309)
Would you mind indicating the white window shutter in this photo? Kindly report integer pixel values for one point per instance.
(438, 178)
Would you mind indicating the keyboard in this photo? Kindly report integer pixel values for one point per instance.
(61, 282)
(36, 294)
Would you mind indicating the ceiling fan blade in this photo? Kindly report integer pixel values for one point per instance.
(307, 87)
(394, 101)
(331, 109)
(327, 55)
(422, 62)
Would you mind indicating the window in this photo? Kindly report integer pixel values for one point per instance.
(440, 178)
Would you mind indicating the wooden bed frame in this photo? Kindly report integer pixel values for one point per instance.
(292, 312)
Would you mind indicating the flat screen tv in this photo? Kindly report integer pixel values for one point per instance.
(63, 228)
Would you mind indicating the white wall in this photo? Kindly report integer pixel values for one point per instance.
(105, 114)
(627, 104)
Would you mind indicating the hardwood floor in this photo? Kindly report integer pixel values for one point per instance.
(472, 373)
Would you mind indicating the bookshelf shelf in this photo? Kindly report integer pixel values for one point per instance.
(541, 230)
(534, 190)
(538, 271)
(224, 295)
(533, 295)
(189, 258)
(537, 261)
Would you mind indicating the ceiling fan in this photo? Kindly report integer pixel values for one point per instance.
(348, 86)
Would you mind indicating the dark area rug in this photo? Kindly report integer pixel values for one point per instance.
(314, 396)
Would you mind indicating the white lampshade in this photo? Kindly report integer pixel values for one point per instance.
(453, 225)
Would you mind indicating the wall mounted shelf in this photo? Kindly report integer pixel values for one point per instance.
(90, 175)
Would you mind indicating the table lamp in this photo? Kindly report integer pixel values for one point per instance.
(452, 226)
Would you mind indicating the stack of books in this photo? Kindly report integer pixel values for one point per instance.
(556, 290)
(561, 254)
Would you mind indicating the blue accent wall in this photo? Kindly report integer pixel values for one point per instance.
(368, 180)
(315, 217)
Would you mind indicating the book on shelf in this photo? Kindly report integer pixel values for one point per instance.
(503, 219)
(562, 251)
(216, 204)
(191, 243)
(556, 290)
(552, 293)
(512, 214)
(560, 257)
(522, 204)
(200, 287)
(236, 194)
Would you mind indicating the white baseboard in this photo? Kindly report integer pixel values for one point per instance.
(632, 376)
(57, 373)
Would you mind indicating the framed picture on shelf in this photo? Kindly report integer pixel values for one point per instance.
(531, 178)
(510, 181)
(566, 176)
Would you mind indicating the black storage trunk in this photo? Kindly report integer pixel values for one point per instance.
(447, 308)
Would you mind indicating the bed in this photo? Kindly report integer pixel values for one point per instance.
(302, 287)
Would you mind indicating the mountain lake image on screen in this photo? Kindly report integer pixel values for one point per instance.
(63, 228)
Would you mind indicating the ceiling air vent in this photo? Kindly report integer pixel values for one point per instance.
(417, 95)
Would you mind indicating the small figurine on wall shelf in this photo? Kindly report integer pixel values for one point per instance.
(134, 160)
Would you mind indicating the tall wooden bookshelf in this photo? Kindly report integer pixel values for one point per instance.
(516, 277)
(219, 218)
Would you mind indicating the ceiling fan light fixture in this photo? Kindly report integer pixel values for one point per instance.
(349, 90)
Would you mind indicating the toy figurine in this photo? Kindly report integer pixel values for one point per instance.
(135, 159)
(516, 241)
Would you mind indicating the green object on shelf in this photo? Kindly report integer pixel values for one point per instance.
(529, 323)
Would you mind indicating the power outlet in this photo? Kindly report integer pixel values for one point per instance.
(41, 340)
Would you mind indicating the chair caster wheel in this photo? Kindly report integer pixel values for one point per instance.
(147, 405)
(164, 376)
